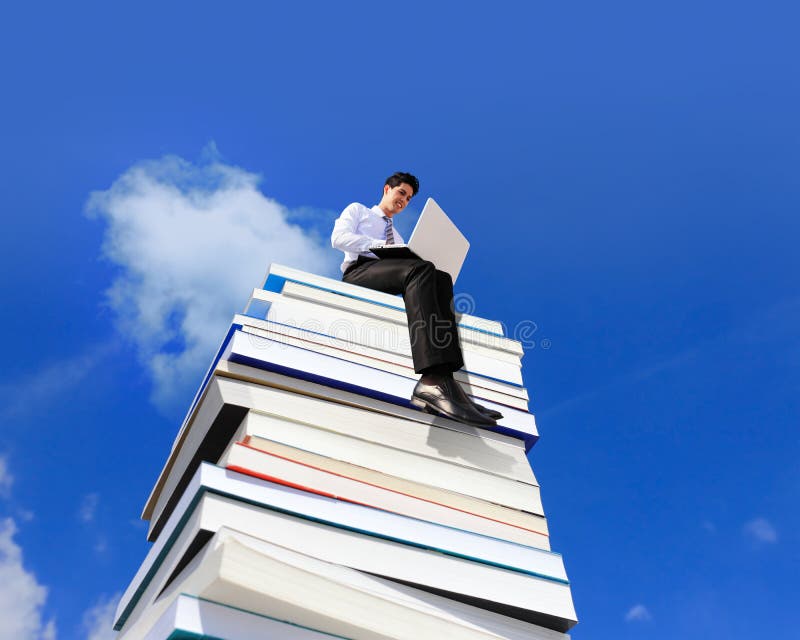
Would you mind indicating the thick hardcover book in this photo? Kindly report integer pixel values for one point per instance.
(257, 351)
(279, 276)
(347, 344)
(489, 469)
(326, 371)
(526, 582)
(213, 420)
(234, 370)
(531, 528)
(433, 470)
(341, 351)
(504, 347)
(282, 469)
(240, 587)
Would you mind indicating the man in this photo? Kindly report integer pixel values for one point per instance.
(428, 295)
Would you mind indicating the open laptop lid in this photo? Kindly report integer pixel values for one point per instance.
(437, 239)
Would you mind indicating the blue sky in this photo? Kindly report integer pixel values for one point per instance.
(628, 176)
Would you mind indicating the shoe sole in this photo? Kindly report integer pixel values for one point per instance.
(424, 406)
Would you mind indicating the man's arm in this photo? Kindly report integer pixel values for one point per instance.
(344, 236)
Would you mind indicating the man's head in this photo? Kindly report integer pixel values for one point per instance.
(398, 190)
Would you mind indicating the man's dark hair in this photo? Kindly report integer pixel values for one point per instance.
(400, 177)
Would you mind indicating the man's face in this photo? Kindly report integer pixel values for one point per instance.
(396, 198)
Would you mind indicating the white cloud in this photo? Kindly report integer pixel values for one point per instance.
(638, 613)
(88, 507)
(761, 530)
(6, 479)
(21, 596)
(98, 621)
(192, 241)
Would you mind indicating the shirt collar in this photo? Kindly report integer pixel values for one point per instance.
(377, 209)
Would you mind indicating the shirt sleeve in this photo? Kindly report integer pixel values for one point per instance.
(344, 236)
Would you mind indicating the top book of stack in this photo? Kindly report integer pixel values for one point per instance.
(279, 276)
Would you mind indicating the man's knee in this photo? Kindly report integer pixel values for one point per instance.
(422, 267)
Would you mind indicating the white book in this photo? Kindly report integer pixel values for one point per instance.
(410, 530)
(228, 414)
(257, 351)
(244, 458)
(396, 462)
(487, 469)
(493, 339)
(381, 335)
(264, 581)
(278, 275)
(489, 345)
(235, 370)
(521, 578)
(518, 424)
(404, 360)
(338, 301)
(408, 373)
(532, 528)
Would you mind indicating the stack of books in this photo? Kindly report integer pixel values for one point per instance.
(305, 497)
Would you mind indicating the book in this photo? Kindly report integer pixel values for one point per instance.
(345, 355)
(258, 351)
(429, 470)
(279, 275)
(532, 528)
(475, 385)
(488, 343)
(479, 356)
(492, 469)
(404, 360)
(273, 583)
(299, 502)
(240, 456)
(519, 579)
(333, 301)
(227, 418)
(238, 371)
(518, 424)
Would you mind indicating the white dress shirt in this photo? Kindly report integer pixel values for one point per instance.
(357, 229)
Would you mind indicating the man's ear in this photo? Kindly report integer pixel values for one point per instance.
(386, 188)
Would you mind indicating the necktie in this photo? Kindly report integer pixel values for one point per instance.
(389, 230)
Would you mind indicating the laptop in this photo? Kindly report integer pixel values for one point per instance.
(435, 238)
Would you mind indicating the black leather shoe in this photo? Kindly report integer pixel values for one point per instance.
(494, 415)
(447, 398)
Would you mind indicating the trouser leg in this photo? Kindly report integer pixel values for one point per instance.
(428, 296)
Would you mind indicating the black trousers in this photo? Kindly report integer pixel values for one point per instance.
(428, 295)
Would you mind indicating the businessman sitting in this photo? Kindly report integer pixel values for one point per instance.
(428, 296)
